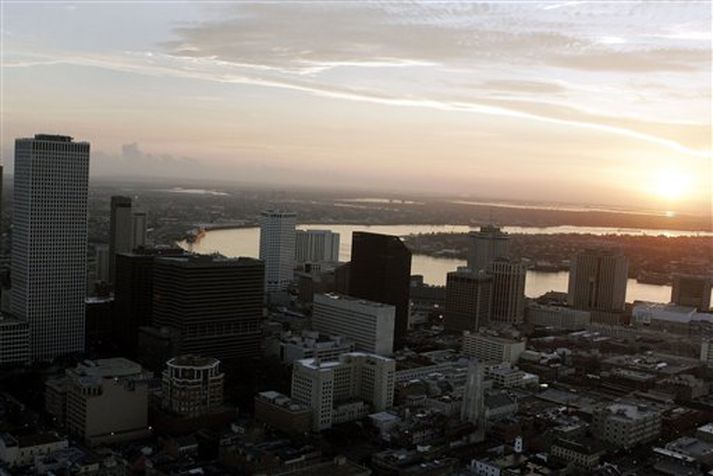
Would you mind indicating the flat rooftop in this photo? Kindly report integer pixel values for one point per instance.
(351, 299)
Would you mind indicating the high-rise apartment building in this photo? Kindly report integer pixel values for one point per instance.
(485, 246)
(345, 390)
(508, 301)
(597, 280)
(369, 324)
(694, 291)
(120, 230)
(316, 246)
(212, 304)
(380, 271)
(277, 248)
(49, 248)
(468, 300)
(192, 386)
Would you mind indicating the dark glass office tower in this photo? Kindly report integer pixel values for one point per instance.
(133, 294)
(212, 304)
(380, 271)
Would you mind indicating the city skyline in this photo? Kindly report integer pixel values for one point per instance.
(569, 101)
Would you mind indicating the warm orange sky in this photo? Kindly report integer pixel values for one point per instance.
(599, 102)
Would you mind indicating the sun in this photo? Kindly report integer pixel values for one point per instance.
(671, 184)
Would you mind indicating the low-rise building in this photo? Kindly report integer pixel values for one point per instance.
(16, 451)
(626, 424)
(313, 345)
(335, 390)
(490, 348)
(281, 412)
(506, 376)
(192, 385)
(101, 401)
(584, 453)
(560, 317)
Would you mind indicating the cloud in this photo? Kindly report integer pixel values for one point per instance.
(296, 36)
(209, 69)
(132, 161)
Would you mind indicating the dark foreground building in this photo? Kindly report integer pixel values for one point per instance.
(133, 294)
(380, 271)
(212, 305)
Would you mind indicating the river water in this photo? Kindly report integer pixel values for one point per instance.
(245, 242)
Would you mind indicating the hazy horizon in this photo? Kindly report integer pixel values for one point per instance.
(604, 103)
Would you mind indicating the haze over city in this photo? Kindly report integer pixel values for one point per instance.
(580, 102)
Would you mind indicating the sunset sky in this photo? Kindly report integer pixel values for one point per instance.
(596, 102)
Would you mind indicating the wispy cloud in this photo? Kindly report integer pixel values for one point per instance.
(207, 69)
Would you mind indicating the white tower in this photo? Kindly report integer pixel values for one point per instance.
(49, 249)
(277, 248)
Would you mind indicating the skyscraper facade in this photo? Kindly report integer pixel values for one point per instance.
(468, 300)
(485, 246)
(694, 291)
(369, 324)
(139, 227)
(380, 271)
(508, 301)
(316, 246)
(120, 230)
(212, 304)
(277, 248)
(597, 280)
(133, 294)
(49, 251)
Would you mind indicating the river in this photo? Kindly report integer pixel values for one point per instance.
(245, 242)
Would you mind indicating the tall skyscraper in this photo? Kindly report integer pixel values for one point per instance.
(380, 271)
(692, 291)
(468, 300)
(120, 233)
(277, 248)
(316, 246)
(485, 246)
(369, 324)
(139, 227)
(49, 250)
(212, 304)
(597, 280)
(133, 294)
(508, 302)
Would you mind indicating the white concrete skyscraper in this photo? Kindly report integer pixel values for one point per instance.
(49, 243)
(277, 248)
